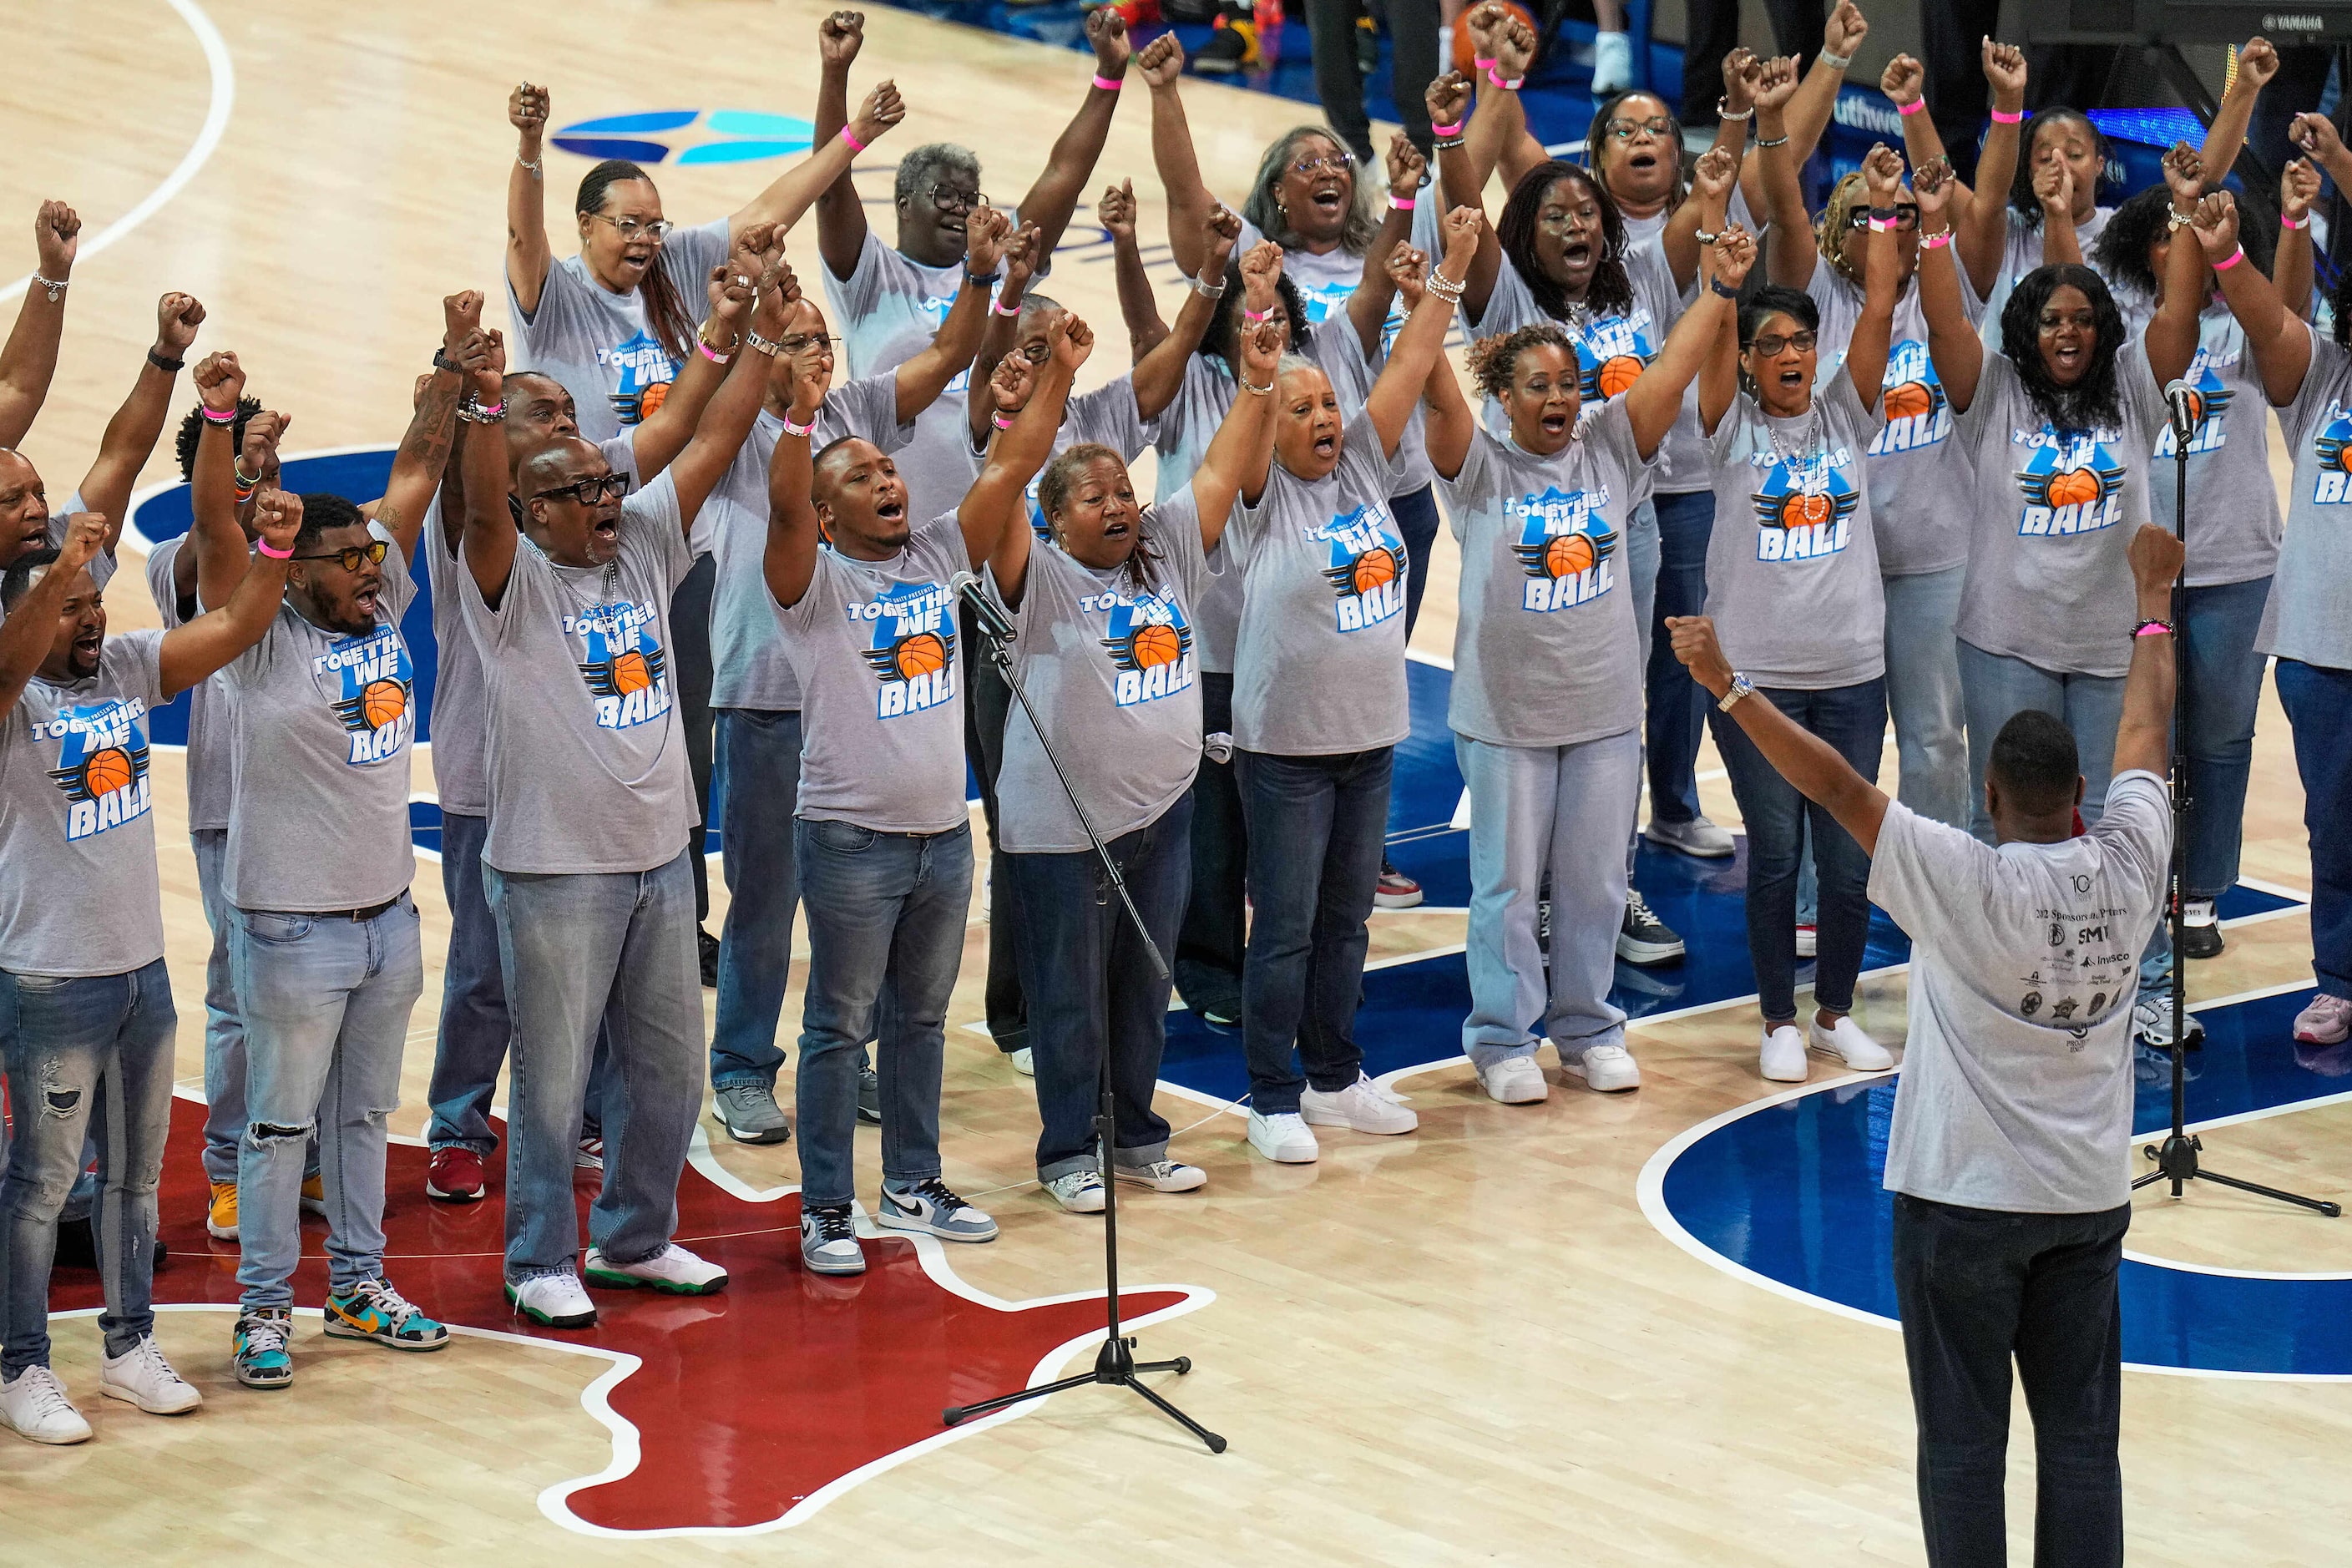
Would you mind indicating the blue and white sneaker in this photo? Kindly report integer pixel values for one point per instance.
(374, 1310)
(260, 1351)
(932, 1208)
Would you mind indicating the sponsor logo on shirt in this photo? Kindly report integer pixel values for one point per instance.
(378, 685)
(1917, 412)
(622, 659)
(1564, 547)
(1804, 511)
(646, 371)
(1151, 645)
(1367, 566)
(2334, 448)
(2210, 399)
(1611, 352)
(101, 763)
(913, 649)
(2072, 483)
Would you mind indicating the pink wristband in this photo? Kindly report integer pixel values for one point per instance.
(1913, 107)
(2008, 117)
(713, 355)
(1484, 62)
(999, 307)
(1937, 240)
(855, 144)
(1508, 84)
(2231, 260)
(2287, 221)
(1002, 420)
(285, 554)
(1446, 132)
(220, 416)
(1401, 204)
(1255, 317)
(1108, 83)
(793, 429)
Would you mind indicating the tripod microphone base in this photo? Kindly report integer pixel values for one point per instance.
(1114, 1363)
(2175, 1161)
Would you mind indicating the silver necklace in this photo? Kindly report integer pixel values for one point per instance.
(1807, 450)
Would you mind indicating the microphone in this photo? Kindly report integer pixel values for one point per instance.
(2185, 403)
(984, 613)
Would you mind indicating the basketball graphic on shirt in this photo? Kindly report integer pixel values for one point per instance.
(2072, 482)
(1155, 645)
(1619, 372)
(101, 764)
(623, 661)
(2072, 487)
(629, 672)
(383, 702)
(1563, 544)
(1803, 511)
(1805, 507)
(1911, 401)
(1611, 352)
(912, 649)
(922, 653)
(1150, 646)
(642, 371)
(373, 688)
(2209, 398)
(1374, 568)
(1567, 554)
(1366, 566)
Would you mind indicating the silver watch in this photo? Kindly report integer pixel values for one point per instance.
(1740, 687)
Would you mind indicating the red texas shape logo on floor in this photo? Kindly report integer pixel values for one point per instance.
(744, 1411)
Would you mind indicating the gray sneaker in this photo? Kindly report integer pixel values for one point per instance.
(749, 1112)
(932, 1208)
(869, 1092)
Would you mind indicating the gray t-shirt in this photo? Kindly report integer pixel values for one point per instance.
(2048, 581)
(2306, 618)
(586, 765)
(889, 309)
(1318, 665)
(2234, 512)
(2021, 253)
(881, 691)
(79, 894)
(2016, 1090)
(1915, 468)
(321, 725)
(208, 736)
(747, 645)
(1110, 668)
(1792, 565)
(1545, 649)
(600, 346)
(1106, 417)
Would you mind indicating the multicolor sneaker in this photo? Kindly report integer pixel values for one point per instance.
(932, 1208)
(261, 1350)
(2325, 1022)
(220, 1214)
(453, 1175)
(372, 1309)
(673, 1270)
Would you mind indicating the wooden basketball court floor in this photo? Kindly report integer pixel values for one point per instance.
(1475, 1344)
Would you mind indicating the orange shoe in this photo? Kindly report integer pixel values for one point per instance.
(314, 1194)
(220, 1215)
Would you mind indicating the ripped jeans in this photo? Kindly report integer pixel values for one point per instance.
(325, 1000)
(87, 1058)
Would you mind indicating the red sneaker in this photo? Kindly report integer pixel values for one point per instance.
(453, 1175)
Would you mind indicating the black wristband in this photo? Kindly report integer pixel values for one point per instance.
(1717, 284)
(441, 362)
(173, 366)
(986, 280)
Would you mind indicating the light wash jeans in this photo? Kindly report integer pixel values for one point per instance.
(759, 758)
(326, 1001)
(103, 1042)
(886, 920)
(1533, 811)
(615, 948)
(1997, 687)
(1922, 692)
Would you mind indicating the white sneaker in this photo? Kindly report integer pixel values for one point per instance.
(33, 1405)
(1697, 836)
(1808, 943)
(1078, 1192)
(1783, 1060)
(1023, 1063)
(1515, 1080)
(1284, 1138)
(1612, 64)
(1609, 1068)
(1362, 1105)
(829, 1241)
(674, 1271)
(142, 1376)
(553, 1301)
(1847, 1039)
(1163, 1175)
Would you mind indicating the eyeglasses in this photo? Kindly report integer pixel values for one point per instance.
(629, 228)
(1906, 215)
(351, 555)
(1771, 344)
(800, 341)
(1337, 163)
(956, 199)
(1622, 130)
(587, 491)
(1568, 222)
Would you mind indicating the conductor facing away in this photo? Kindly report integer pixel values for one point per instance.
(2009, 1157)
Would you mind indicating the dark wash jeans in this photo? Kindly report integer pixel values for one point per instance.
(1210, 945)
(1977, 1286)
(988, 702)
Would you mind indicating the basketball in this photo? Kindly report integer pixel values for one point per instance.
(1804, 511)
(1465, 54)
(2196, 409)
(2074, 488)
(1155, 645)
(1617, 374)
(651, 399)
(629, 673)
(383, 701)
(1374, 567)
(2344, 458)
(106, 771)
(922, 653)
(1568, 554)
(1909, 400)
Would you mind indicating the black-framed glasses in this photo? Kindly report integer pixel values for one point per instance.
(956, 199)
(629, 228)
(1622, 130)
(587, 491)
(1337, 161)
(1771, 344)
(351, 555)
(1906, 215)
(800, 340)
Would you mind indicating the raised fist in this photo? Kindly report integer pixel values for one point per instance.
(177, 317)
(1904, 80)
(220, 382)
(56, 234)
(839, 38)
(526, 108)
(1107, 31)
(1161, 62)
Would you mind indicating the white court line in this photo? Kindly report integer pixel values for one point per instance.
(223, 100)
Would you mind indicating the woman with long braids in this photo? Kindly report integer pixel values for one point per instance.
(2057, 423)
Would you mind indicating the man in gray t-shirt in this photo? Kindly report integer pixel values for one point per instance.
(2010, 1148)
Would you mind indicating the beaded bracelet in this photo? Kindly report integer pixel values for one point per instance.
(1763, 142)
(1936, 241)
(1744, 115)
(1447, 143)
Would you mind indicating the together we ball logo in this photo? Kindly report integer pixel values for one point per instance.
(1366, 567)
(1564, 547)
(101, 764)
(912, 652)
(1150, 646)
(376, 704)
(2072, 484)
(623, 662)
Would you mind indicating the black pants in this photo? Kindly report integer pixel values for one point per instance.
(1213, 940)
(689, 632)
(986, 701)
(1976, 1288)
(1713, 32)
(1413, 66)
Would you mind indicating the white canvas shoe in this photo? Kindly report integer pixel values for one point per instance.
(33, 1405)
(1846, 1039)
(1363, 1105)
(1783, 1057)
(1284, 1138)
(141, 1376)
(1609, 1068)
(1515, 1080)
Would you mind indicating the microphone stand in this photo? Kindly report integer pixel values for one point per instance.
(1115, 1364)
(2176, 1158)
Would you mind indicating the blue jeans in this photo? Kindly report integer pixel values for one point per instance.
(1317, 827)
(886, 921)
(1997, 687)
(105, 1040)
(759, 756)
(1641, 560)
(615, 948)
(224, 1033)
(2222, 675)
(1088, 981)
(1676, 710)
(1416, 518)
(1923, 693)
(326, 1001)
(2319, 703)
(1853, 720)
